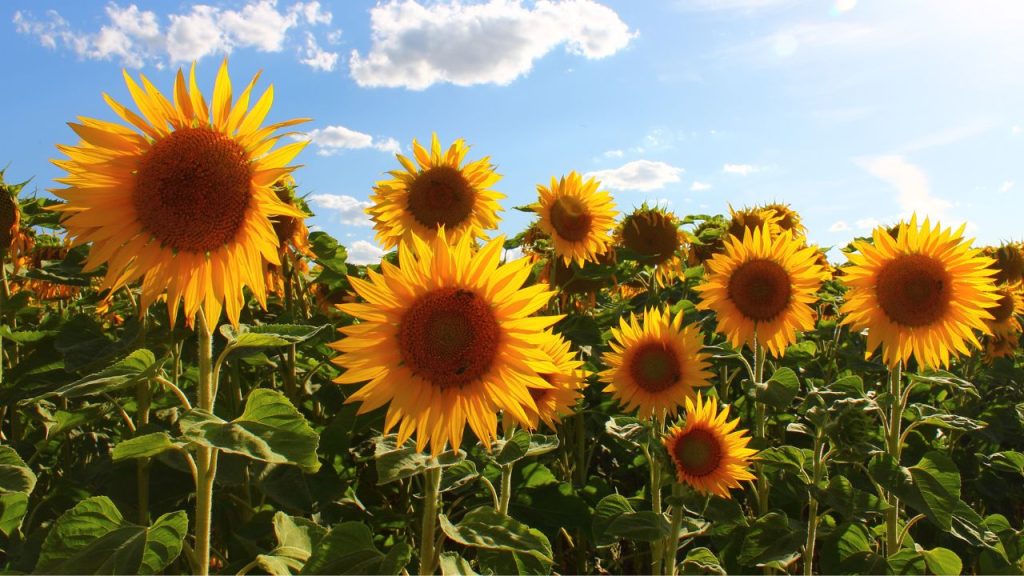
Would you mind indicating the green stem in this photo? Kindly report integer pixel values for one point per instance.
(893, 446)
(143, 399)
(506, 470)
(657, 551)
(812, 516)
(672, 542)
(431, 494)
(760, 426)
(206, 461)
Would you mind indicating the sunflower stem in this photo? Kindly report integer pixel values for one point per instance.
(672, 542)
(206, 461)
(657, 547)
(431, 495)
(143, 398)
(812, 515)
(893, 446)
(760, 425)
(506, 469)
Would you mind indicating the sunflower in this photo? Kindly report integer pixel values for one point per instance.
(762, 286)
(577, 216)
(566, 381)
(48, 248)
(1008, 262)
(653, 234)
(706, 451)
(292, 238)
(447, 339)
(653, 366)
(786, 218)
(752, 219)
(183, 198)
(1004, 314)
(440, 191)
(14, 239)
(1001, 346)
(707, 240)
(920, 294)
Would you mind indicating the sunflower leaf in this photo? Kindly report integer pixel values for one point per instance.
(267, 335)
(397, 462)
(348, 549)
(15, 475)
(138, 366)
(486, 529)
(779, 390)
(145, 446)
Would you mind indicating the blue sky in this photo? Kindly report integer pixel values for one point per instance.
(853, 111)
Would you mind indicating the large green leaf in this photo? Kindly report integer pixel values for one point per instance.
(926, 414)
(145, 446)
(296, 540)
(486, 529)
(772, 540)
(397, 462)
(942, 561)
(125, 373)
(93, 538)
(348, 549)
(779, 390)
(13, 506)
(15, 475)
(267, 335)
(607, 510)
(938, 481)
(454, 565)
(523, 444)
(701, 561)
(269, 429)
(643, 526)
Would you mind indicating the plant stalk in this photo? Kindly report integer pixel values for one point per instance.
(431, 495)
(893, 448)
(206, 461)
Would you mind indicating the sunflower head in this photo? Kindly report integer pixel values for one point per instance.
(576, 216)
(786, 217)
(291, 231)
(655, 362)
(10, 217)
(1001, 345)
(573, 279)
(920, 294)
(753, 219)
(447, 338)
(181, 196)
(1008, 262)
(708, 452)
(560, 399)
(762, 288)
(438, 190)
(1008, 308)
(708, 239)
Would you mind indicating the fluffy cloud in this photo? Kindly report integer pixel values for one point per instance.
(331, 140)
(350, 211)
(642, 175)
(699, 186)
(495, 42)
(741, 169)
(363, 252)
(1006, 186)
(136, 37)
(913, 193)
(316, 57)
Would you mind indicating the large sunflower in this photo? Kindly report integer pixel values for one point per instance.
(436, 191)
(653, 234)
(708, 454)
(577, 216)
(566, 381)
(655, 365)
(762, 286)
(183, 197)
(920, 294)
(447, 339)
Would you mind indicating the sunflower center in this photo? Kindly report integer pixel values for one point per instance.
(1003, 309)
(449, 337)
(441, 195)
(655, 367)
(760, 289)
(654, 238)
(914, 290)
(698, 452)
(570, 218)
(193, 188)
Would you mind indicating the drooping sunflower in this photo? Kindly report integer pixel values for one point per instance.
(577, 216)
(752, 219)
(1008, 307)
(292, 237)
(920, 294)
(566, 381)
(183, 197)
(48, 248)
(655, 364)
(708, 239)
(446, 338)
(654, 235)
(14, 240)
(436, 191)
(1008, 262)
(762, 286)
(1001, 346)
(708, 452)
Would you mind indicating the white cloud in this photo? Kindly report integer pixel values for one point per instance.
(494, 42)
(642, 175)
(839, 226)
(867, 224)
(351, 211)
(730, 5)
(136, 38)
(1006, 186)
(699, 186)
(613, 154)
(913, 193)
(316, 57)
(363, 252)
(331, 140)
(741, 169)
(845, 5)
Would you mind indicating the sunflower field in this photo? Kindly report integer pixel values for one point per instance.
(193, 382)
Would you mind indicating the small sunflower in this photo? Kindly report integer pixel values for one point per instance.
(708, 452)
(1001, 346)
(48, 248)
(1008, 262)
(437, 191)
(566, 382)
(446, 338)
(656, 364)
(707, 240)
(1008, 307)
(762, 286)
(654, 235)
(183, 198)
(787, 218)
(577, 217)
(292, 237)
(752, 219)
(14, 240)
(920, 294)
